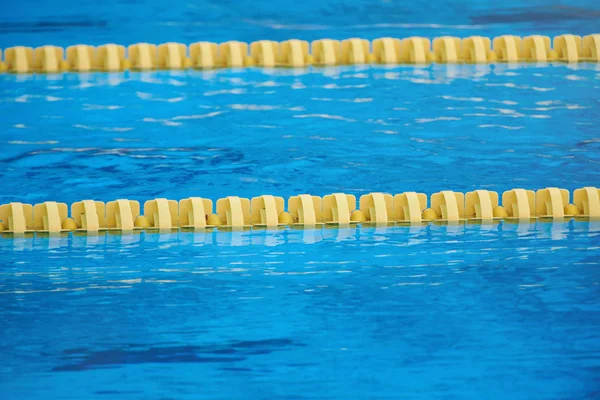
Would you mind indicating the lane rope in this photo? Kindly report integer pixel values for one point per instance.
(299, 53)
(302, 211)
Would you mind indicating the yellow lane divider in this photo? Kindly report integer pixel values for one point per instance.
(299, 53)
(305, 211)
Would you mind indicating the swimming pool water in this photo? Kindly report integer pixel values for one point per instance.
(469, 312)
(285, 132)
(476, 312)
(39, 22)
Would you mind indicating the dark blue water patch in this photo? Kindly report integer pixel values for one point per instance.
(141, 354)
(216, 156)
(545, 14)
(49, 26)
(234, 369)
(117, 392)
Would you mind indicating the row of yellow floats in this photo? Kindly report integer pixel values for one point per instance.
(303, 211)
(298, 53)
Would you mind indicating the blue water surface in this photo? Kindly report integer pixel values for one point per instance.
(503, 311)
(495, 312)
(285, 132)
(63, 23)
